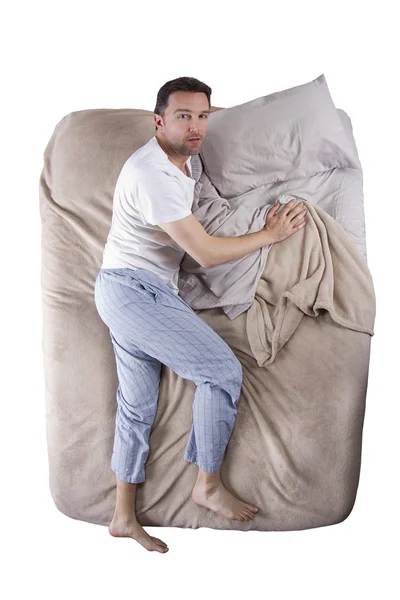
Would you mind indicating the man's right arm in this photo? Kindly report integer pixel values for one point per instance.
(210, 250)
(224, 249)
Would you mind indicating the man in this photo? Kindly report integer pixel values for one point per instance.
(136, 295)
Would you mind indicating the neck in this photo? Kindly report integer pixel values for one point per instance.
(178, 162)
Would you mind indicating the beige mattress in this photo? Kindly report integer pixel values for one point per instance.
(296, 447)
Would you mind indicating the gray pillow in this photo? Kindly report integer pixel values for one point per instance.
(290, 134)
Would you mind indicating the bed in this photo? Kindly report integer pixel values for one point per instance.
(303, 340)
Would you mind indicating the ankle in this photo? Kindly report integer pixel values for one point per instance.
(208, 479)
(124, 518)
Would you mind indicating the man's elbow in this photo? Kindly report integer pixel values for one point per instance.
(208, 261)
(205, 265)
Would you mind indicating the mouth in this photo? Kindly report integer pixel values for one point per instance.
(194, 140)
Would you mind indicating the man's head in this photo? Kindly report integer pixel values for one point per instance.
(181, 112)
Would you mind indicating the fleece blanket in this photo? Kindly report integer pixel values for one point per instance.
(304, 343)
(317, 269)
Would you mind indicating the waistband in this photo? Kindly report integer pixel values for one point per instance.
(140, 275)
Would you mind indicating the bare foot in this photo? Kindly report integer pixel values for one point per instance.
(216, 497)
(133, 529)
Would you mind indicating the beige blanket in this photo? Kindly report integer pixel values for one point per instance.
(304, 346)
(316, 269)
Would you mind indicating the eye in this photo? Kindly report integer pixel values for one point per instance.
(186, 115)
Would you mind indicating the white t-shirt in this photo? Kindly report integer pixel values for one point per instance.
(150, 189)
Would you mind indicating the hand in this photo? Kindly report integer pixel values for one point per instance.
(290, 219)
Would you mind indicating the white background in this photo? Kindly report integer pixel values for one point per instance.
(61, 57)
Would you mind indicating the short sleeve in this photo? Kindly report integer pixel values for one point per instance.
(160, 197)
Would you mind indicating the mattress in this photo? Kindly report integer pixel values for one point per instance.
(296, 447)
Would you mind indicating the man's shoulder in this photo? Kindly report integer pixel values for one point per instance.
(148, 177)
(144, 167)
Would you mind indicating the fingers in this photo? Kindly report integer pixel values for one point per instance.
(298, 213)
(291, 206)
(292, 209)
(298, 209)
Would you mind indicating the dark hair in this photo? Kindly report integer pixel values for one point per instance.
(181, 84)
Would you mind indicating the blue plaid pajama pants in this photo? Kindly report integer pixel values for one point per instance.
(150, 325)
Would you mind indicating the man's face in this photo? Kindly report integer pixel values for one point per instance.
(185, 117)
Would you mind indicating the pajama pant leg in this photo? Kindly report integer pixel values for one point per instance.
(149, 326)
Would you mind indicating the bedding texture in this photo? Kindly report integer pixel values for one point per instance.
(298, 314)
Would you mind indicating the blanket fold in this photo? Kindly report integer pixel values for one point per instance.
(317, 268)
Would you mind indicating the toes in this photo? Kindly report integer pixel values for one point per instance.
(244, 516)
(160, 542)
(248, 512)
(158, 548)
(253, 508)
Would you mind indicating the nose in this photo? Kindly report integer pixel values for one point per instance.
(197, 132)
